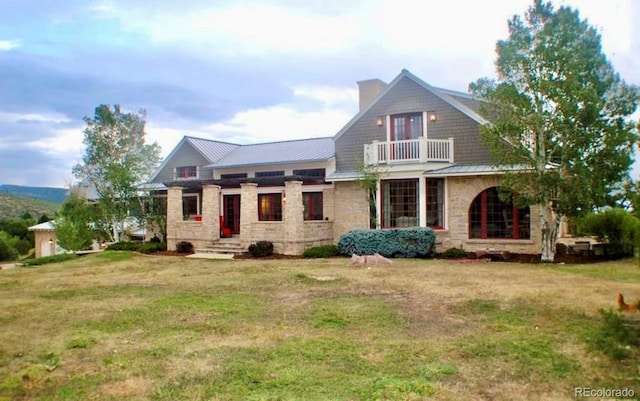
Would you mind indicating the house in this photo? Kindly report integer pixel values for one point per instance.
(422, 140)
(45, 239)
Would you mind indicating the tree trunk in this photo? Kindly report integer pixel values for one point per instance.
(549, 227)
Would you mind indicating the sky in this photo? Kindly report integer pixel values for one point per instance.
(239, 71)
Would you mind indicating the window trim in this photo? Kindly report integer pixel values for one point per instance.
(179, 175)
(406, 117)
(308, 211)
(392, 215)
(198, 206)
(520, 227)
(440, 203)
(272, 213)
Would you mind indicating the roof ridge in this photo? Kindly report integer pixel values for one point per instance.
(210, 140)
(288, 140)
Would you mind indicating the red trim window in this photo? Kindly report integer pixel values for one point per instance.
(435, 203)
(190, 206)
(186, 172)
(270, 207)
(312, 202)
(406, 126)
(400, 203)
(492, 218)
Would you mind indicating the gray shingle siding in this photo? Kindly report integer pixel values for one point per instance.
(185, 156)
(407, 96)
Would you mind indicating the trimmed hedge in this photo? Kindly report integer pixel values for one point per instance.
(146, 247)
(454, 253)
(323, 251)
(416, 242)
(184, 247)
(123, 246)
(61, 257)
(261, 249)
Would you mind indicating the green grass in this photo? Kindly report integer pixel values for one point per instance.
(118, 325)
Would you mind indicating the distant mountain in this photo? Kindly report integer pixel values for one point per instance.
(55, 195)
(12, 206)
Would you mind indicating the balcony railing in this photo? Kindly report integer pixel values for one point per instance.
(419, 150)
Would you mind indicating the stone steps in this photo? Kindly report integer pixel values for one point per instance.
(224, 246)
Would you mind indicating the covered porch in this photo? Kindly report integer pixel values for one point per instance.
(250, 214)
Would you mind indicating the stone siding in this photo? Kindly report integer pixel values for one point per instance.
(461, 192)
(318, 233)
(351, 208)
(199, 233)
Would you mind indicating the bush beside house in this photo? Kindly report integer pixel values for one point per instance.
(417, 242)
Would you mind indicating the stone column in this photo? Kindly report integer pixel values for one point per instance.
(174, 215)
(211, 211)
(328, 204)
(248, 211)
(293, 218)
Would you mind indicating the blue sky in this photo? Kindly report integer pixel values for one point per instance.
(239, 71)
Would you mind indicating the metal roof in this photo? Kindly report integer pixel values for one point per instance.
(471, 169)
(344, 176)
(46, 226)
(272, 153)
(210, 149)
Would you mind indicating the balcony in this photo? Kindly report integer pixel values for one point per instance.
(419, 150)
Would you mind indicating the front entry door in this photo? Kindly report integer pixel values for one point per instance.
(231, 207)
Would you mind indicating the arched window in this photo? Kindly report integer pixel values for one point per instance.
(490, 217)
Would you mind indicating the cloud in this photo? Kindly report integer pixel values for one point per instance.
(9, 44)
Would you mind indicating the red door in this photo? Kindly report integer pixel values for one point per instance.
(231, 208)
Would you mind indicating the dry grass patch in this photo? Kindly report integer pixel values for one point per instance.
(123, 326)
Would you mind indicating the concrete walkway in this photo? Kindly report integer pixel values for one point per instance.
(9, 266)
(211, 255)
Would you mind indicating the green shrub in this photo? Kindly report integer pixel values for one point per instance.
(614, 337)
(184, 247)
(324, 251)
(617, 229)
(261, 249)
(454, 253)
(7, 252)
(397, 243)
(151, 247)
(61, 257)
(142, 247)
(123, 246)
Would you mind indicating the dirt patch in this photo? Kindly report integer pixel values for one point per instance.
(270, 257)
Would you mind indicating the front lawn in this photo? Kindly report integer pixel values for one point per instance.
(110, 327)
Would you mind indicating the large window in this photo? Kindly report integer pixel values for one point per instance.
(312, 202)
(190, 206)
(490, 217)
(186, 172)
(435, 203)
(400, 203)
(406, 126)
(270, 207)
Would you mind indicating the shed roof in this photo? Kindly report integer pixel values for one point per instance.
(471, 169)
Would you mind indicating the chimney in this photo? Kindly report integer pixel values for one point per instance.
(369, 90)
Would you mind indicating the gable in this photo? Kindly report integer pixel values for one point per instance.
(408, 94)
(184, 155)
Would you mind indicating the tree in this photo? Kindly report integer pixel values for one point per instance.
(116, 159)
(369, 178)
(74, 223)
(559, 117)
